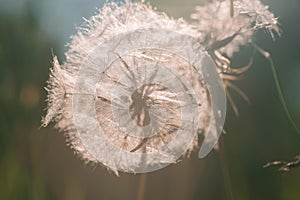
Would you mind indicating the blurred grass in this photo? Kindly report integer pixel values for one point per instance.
(35, 164)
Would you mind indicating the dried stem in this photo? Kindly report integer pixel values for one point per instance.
(142, 187)
(231, 8)
(284, 166)
(143, 178)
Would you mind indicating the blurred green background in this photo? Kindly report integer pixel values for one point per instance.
(35, 163)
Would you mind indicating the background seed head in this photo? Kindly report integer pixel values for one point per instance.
(215, 22)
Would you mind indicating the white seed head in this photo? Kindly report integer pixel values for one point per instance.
(215, 22)
(137, 68)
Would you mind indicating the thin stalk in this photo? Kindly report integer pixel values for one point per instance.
(225, 171)
(278, 88)
(231, 8)
(142, 187)
(143, 177)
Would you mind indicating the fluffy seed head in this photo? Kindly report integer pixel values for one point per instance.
(215, 22)
(156, 100)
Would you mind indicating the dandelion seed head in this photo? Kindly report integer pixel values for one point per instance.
(215, 23)
(126, 89)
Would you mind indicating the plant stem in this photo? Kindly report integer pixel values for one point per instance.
(142, 187)
(225, 171)
(278, 88)
(143, 177)
(231, 8)
(281, 97)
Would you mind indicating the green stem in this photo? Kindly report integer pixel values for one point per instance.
(225, 171)
(278, 88)
(281, 97)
